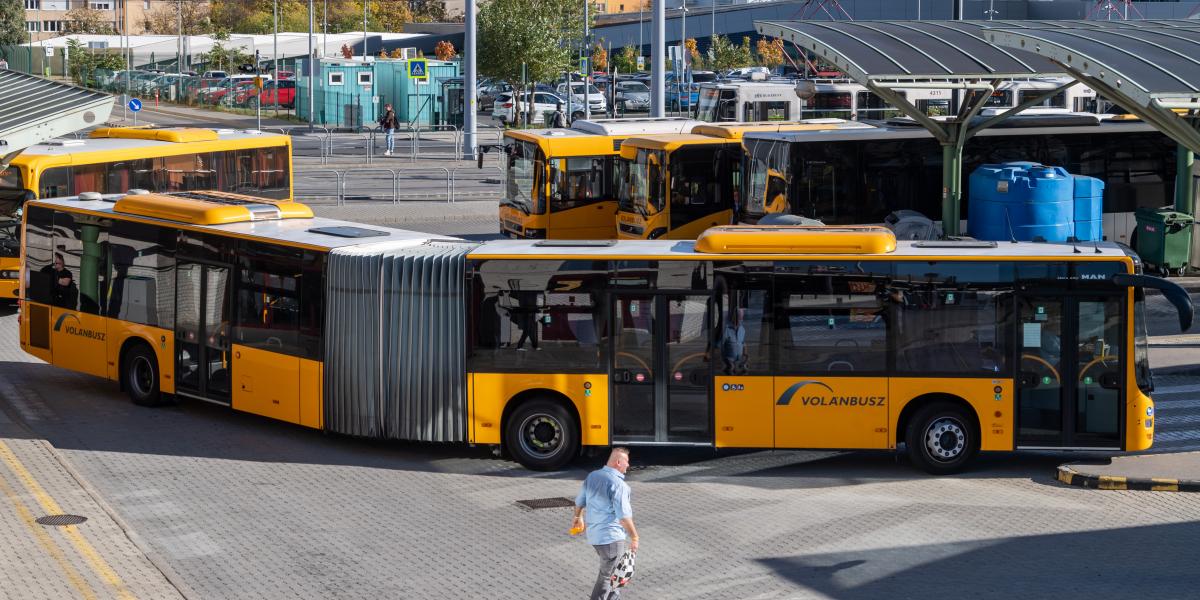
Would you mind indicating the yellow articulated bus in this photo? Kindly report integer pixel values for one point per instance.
(749, 337)
(674, 186)
(560, 183)
(115, 160)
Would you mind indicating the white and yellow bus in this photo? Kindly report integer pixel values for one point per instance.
(118, 159)
(785, 337)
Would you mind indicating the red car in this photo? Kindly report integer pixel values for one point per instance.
(282, 93)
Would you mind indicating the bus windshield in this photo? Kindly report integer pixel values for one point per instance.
(11, 188)
(523, 166)
(645, 184)
(1141, 343)
(716, 105)
(766, 176)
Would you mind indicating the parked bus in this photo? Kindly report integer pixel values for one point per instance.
(559, 183)
(115, 160)
(747, 338)
(860, 176)
(673, 186)
(843, 99)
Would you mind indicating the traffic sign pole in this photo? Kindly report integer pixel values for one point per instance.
(135, 105)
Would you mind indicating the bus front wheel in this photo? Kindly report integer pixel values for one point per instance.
(542, 435)
(942, 438)
(140, 367)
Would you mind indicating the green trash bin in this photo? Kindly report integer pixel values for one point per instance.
(1164, 239)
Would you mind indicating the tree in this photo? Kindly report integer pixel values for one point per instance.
(770, 53)
(396, 53)
(626, 60)
(390, 15)
(164, 19)
(84, 19)
(723, 55)
(226, 59)
(745, 53)
(12, 24)
(347, 52)
(83, 63)
(445, 50)
(693, 53)
(599, 57)
(429, 11)
(540, 35)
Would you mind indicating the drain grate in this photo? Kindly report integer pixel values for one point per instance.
(61, 520)
(539, 503)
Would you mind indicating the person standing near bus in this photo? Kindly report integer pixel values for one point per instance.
(603, 504)
(388, 124)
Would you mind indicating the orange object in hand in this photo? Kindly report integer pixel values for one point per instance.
(576, 530)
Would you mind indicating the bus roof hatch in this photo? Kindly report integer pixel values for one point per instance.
(796, 239)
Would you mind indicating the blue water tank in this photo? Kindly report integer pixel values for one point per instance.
(1021, 200)
(1089, 209)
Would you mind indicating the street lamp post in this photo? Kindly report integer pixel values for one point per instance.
(658, 41)
(312, 68)
(587, 60)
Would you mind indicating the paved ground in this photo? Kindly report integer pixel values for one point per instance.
(225, 505)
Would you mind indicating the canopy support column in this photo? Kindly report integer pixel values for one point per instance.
(1184, 190)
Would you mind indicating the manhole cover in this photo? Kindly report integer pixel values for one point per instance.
(61, 520)
(547, 503)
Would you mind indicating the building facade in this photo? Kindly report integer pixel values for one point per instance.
(51, 18)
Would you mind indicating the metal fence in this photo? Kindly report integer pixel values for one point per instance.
(378, 184)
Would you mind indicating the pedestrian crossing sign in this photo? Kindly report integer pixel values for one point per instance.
(418, 69)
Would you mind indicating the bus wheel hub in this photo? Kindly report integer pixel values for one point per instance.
(543, 433)
(945, 439)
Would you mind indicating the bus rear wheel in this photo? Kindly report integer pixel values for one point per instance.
(542, 435)
(140, 375)
(942, 439)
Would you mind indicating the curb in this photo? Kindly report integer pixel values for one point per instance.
(1069, 476)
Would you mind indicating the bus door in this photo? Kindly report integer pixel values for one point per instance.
(202, 327)
(661, 368)
(1069, 381)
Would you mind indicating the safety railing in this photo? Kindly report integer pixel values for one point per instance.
(365, 180)
(472, 168)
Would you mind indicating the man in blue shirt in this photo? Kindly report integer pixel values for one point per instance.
(604, 500)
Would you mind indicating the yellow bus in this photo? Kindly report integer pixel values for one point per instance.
(118, 159)
(560, 183)
(674, 186)
(749, 337)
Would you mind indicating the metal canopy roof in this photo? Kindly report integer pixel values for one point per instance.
(910, 50)
(1148, 69)
(33, 110)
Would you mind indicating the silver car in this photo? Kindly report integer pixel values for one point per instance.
(632, 96)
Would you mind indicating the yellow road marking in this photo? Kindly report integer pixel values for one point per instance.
(98, 564)
(43, 538)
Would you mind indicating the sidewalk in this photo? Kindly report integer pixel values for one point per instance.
(1151, 472)
(95, 557)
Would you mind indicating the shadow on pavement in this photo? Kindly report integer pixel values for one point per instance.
(86, 413)
(1114, 563)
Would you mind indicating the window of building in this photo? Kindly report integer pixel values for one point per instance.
(337, 78)
(538, 316)
(32, 26)
(364, 78)
(100, 5)
(53, 26)
(33, 4)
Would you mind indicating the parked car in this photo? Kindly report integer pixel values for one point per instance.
(595, 98)
(543, 102)
(281, 93)
(632, 96)
(489, 92)
(215, 75)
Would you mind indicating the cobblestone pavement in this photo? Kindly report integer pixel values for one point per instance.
(235, 506)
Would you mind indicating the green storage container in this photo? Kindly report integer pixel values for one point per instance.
(1164, 239)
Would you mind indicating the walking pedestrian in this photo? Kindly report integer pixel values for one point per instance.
(388, 124)
(603, 505)
(558, 119)
(3, 63)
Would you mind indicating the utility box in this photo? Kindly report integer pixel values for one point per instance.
(1164, 239)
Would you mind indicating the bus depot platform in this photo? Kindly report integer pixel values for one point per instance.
(1179, 472)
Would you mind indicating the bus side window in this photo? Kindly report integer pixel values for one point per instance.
(269, 298)
(143, 274)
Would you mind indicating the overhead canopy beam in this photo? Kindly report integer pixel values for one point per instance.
(1148, 70)
(885, 56)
